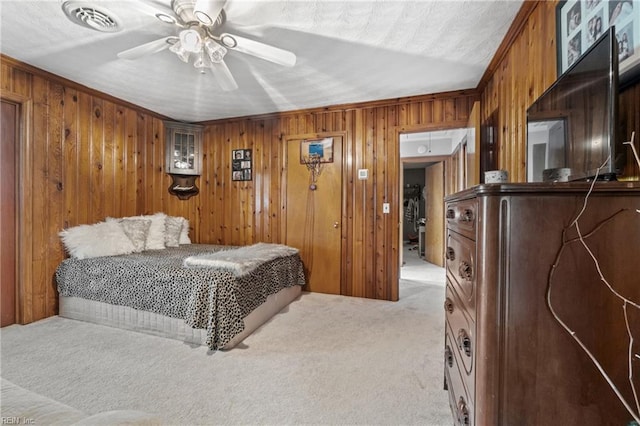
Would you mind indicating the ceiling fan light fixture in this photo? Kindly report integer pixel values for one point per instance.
(179, 50)
(202, 62)
(199, 23)
(191, 40)
(215, 51)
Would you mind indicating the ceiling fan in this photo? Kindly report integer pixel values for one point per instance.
(199, 38)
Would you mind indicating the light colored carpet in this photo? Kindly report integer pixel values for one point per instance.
(323, 360)
(415, 268)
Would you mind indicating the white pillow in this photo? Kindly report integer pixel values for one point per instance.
(155, 237)
(173, 229)
(184, 235)
(100, 239)
(137, 231)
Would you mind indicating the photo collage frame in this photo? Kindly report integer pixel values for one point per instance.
(241, 165)
(581, 22)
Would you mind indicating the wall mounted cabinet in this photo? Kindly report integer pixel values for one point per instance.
(184, 148)
(183, 157)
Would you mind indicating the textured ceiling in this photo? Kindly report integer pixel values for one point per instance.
(347, 51)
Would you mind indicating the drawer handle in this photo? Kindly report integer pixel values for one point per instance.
(464, 342)
(451, 254)
(467, 215)
(465, 270)
(448, 356)
(448, 305)
(451, 214)
(463, 412)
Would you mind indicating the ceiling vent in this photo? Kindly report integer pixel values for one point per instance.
(91, 16)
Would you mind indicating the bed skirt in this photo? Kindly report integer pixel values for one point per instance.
(174, 328)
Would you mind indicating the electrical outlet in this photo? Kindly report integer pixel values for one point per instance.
(386, 208)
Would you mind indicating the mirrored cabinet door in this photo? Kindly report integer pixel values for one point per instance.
(183, 148)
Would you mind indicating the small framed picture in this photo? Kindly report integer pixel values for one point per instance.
(241, 164)
(320, 150)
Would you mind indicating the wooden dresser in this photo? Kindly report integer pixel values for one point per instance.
(507, 360)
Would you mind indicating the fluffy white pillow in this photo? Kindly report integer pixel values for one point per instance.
(137, 231)
(173, 229)
(184, 235)
(100, 239)
(155, 237)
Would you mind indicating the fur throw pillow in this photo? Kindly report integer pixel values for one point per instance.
(173, 229)
(100, 239)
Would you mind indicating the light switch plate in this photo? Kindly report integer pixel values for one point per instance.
(363, 174)
(386, 208)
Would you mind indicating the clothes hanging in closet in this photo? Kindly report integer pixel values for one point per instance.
(412, 211)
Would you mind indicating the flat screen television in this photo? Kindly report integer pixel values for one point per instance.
(571, 127)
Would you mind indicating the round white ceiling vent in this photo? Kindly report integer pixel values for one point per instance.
(91, 16)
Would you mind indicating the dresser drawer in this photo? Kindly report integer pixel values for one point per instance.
(459, 401)
(461, 266)
(462, 217)
(460, 330)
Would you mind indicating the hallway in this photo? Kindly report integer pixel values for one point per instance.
(416, 269)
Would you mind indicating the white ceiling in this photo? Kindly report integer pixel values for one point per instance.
(347, 51)
(430, 144)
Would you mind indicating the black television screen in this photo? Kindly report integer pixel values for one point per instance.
(571, 127)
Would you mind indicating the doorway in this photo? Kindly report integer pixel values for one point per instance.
(423, 207)
(424, 158)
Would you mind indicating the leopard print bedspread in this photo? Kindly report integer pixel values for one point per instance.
(156, 280)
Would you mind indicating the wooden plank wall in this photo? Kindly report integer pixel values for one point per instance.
(89, 156)
(245, 212)
(83, 158)
(526, 70)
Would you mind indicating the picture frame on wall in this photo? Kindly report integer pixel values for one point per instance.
(579, 23)
(241, 165)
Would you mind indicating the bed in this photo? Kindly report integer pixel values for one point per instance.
(198, 293)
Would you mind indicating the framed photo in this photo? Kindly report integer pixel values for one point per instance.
(579, 23)
(241, 160)
(316, 148)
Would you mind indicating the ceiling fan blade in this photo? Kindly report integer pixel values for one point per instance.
(259, 50)
(207, 11)
(147, 48)
(223, 76)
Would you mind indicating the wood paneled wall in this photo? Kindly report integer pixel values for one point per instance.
(526, 68)
(86, 156)
(245, 212)
(82, 158)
